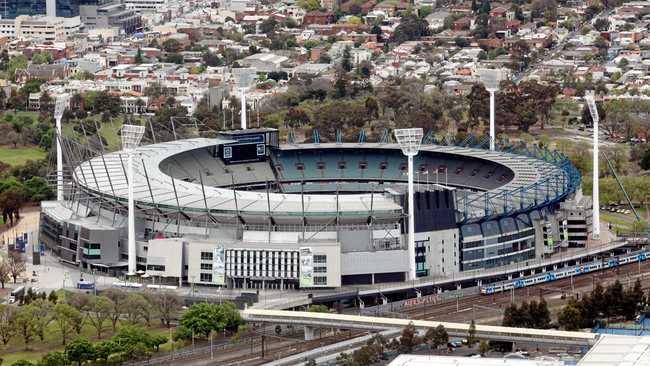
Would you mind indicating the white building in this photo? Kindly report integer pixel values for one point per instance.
(264, 62)
(40, 28)
(146, 6)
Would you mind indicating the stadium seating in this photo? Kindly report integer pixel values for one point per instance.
(366, 165)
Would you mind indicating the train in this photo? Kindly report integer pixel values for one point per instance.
(559, 274)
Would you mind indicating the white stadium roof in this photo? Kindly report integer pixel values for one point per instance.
(105, 175)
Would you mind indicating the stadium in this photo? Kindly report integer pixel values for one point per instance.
(241, 210)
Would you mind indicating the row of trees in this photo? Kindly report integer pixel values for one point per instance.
(518, 106)
(613, 301)
(128, 344)
(375, 348)
(24, 130)
(14, 194)
(373, 351)
(528, 315)
(68, 313)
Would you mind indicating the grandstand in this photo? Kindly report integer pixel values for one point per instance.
(309, 215)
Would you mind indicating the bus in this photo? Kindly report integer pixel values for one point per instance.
(17, 294)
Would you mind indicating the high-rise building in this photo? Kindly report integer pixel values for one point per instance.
(10, 9)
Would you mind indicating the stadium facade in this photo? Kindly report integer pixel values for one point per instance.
(242, 211)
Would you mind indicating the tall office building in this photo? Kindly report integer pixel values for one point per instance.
(10, 9)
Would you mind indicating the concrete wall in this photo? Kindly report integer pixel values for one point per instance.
(385, 261)
(167, 253)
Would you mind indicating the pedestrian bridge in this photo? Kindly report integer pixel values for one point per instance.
(343, 321)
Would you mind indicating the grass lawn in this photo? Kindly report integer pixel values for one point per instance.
(15, 350)
(20, 155)
(31, 114)
(33, 356)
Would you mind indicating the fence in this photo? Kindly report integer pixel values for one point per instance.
(397, 306)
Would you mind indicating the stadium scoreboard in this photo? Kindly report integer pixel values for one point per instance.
(248, 146)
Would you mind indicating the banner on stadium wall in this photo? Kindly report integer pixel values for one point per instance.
(306, 267)
(219, 265)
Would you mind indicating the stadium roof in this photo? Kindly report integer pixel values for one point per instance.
(105, 176)
(418, 360)
(615, 350)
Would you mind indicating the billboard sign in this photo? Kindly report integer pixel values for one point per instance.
(219, 265)
(306, 267)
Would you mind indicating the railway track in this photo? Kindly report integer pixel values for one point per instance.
(449, 309)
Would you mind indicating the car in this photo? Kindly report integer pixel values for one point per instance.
(454, 344)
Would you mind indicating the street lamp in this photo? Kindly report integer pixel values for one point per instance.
(131, 136)
(593, 110)
(491, 79)
(59, 108)
(409, 140)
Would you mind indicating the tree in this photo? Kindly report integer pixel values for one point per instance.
(8, 326)
(483, 348)
(602, 24)
(471, 334)
(25, 324)
(570, 317)
(623, 64)
(80, 350)
(319, 309)
(37, 189)
(296, 116)
(479, 106)
(53, 297)
(16, 63)
(134, 303)
(171, 46)
(41, 58)
(520, 52)
(117, 298)
(485, 7)
(461, 42)
(54, 359)
(437, 336)
(42, 317)
(5, 272)
(409, 339)
(167, 305)
(66, 318)
(346, 61)
(103, 350)
(204, 318)
(376, 30)
(99, 311)
(138, 56)
(268, 25)
(15, 261)
(174, 58)
(410, 28)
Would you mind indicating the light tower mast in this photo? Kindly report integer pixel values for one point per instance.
(491, 79)
(593, 110)
(131, 136)
(59, 107)
(409, 140)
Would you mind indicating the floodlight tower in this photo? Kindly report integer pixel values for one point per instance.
(593, 110)
(131, 136)
(491, 79)
(243, 81)
(59, 108)
(409, 140)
